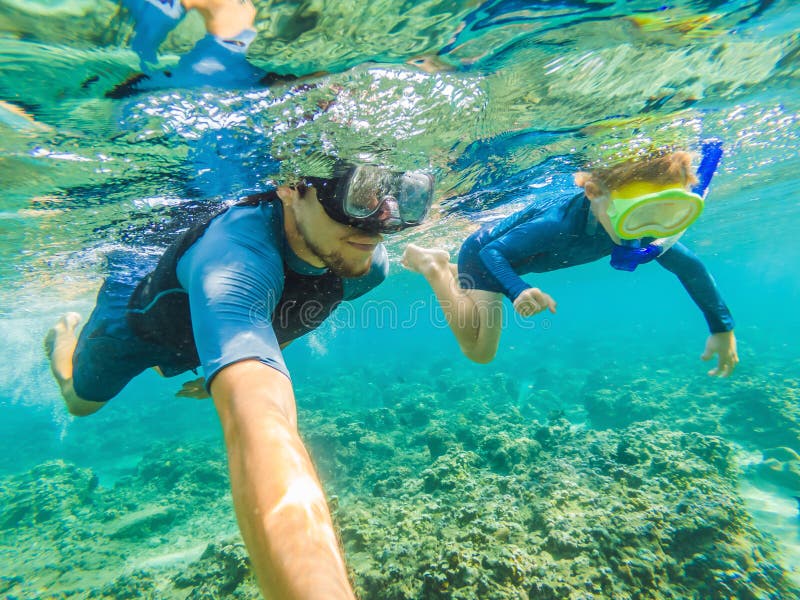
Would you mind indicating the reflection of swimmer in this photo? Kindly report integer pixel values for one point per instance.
(218, 59)
(154, 19)
(633, 212)
(698, 25)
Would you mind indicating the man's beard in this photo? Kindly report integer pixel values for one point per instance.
(337, 264)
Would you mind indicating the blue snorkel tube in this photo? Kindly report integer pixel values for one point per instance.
(711, 155)
(630, 253)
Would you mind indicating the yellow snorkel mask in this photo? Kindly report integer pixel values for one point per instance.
(639, 210)
(665, 214)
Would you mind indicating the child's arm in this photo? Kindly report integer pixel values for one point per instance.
(495, 261)
(519, 244)
(700, 285)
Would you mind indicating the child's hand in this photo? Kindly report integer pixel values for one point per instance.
(724, 345)
(533, 301)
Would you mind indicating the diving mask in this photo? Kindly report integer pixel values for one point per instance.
(640, 210)
(631, 253)
(376, 199)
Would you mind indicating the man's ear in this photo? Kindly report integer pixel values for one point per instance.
(590, 188)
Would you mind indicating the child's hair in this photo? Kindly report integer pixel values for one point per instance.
(675, 167)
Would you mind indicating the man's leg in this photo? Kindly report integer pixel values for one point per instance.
(475, 316)
(93, 367)
(60, 344)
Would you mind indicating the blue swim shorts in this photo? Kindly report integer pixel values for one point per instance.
(109, 354)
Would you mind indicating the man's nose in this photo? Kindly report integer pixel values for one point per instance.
(389, 208)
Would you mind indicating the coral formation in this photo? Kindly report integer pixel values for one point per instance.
(444, 487)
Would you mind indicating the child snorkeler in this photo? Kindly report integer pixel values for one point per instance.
(634, 212)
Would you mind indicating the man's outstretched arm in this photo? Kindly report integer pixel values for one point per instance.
(280, 505)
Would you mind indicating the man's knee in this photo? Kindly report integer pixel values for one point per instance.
(102, 367)
(77, 406)
(83, 408)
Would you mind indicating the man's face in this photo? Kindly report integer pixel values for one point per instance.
(345, 250)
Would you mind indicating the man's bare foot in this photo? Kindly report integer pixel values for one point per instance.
(59, 344)
(426, 261)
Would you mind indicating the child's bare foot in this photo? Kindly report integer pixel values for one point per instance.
(426, 261)
(59, 344)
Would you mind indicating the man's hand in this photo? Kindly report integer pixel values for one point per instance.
(533, 301)
(196, 388)
(724, 345)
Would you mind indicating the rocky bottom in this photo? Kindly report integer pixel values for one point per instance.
(445, 491)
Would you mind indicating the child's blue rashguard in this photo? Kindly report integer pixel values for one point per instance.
(564, 234)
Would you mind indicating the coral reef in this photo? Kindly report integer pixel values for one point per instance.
(68, 537)
(757, 411)
(445, 486)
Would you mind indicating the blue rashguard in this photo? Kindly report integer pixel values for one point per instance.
(227, 290)
(235, 278)
(565, 234)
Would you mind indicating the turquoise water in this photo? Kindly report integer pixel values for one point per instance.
(592, 459)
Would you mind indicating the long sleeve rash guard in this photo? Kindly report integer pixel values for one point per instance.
(564, 234)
